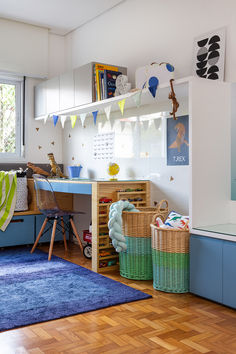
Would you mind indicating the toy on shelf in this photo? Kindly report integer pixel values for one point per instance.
(105, 200)
(113, 170)
(87, 249)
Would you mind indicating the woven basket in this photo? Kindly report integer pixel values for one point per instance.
(170, 257)
(137, 224)
(136, 261)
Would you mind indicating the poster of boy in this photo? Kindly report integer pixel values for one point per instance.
(178, 141)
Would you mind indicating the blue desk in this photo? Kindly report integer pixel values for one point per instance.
(79, 186)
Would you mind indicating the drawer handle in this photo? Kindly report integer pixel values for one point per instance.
(18, 220)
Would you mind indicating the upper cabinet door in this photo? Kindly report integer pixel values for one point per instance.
(84, 84)
(40, 100)
(53, 95)
(67, 90)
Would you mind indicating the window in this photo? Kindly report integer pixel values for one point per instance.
(11, 117)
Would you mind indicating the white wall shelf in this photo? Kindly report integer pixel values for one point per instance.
(147, 99)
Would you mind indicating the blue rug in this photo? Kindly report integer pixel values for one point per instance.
(34, 290)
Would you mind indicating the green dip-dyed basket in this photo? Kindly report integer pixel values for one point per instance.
(136, 261)
(170, 257)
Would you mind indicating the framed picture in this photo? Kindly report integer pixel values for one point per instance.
(178, 141)
(209, 55)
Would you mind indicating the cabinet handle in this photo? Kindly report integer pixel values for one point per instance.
(18, 220)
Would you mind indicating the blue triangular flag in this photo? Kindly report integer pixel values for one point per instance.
(55, 120)
(95, 113)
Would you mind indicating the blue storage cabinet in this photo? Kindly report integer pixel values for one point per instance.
(47, 236)
(20, 231)
(229, 273)
(206, 275)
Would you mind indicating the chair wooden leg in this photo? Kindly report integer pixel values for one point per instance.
(76, 234)
(52, 239)
(39, 235)
(64, 234)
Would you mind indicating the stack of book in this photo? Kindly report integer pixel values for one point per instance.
(105, 80)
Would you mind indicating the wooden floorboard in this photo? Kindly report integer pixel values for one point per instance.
(167, 323)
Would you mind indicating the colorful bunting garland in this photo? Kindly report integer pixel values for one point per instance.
(82, 117)
(121, 104)
(107, 111)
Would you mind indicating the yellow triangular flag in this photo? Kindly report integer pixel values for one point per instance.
(121, 104)
(73, 120)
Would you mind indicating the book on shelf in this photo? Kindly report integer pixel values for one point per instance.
(110, 82)
(99, 78)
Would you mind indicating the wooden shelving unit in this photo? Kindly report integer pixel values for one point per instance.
(104, 257)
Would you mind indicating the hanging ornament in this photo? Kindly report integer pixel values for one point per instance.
(95, 113)
(63, 119)
(121, 104)
(153, 83)
(82, 117)
(73, 120)
(55, 119)
(137, 98)
(107, 111)
(69, 136)
(37, 129)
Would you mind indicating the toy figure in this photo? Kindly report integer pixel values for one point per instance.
(55, 169)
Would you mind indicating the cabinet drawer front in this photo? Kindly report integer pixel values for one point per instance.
(47, 236)
(229, 273)
(206, 267)
(20, 231)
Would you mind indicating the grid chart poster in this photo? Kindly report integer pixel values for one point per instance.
(209, 55)
(178, 141)
(103, 146)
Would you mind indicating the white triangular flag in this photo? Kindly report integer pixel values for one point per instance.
(157, 123)
(122, 125)
(82, 117)
(137, 98)
(107, 111)
(45, 118)
(112, 122)
(133, 124)
(63, 119)
(145, 124)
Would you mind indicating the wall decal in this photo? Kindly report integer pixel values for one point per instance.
(69, 136)
(37, 129)
(178, 141)
(52, 142)
(209, 55)
(39, 147)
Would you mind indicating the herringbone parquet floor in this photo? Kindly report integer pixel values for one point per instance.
(167, 323)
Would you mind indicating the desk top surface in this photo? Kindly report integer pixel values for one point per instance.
(90, 181)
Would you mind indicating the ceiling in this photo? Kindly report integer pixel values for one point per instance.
(59, 16)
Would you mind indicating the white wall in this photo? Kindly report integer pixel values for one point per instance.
(139, 32)
(23, 49)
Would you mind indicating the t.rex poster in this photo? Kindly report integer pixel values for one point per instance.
(178, 141)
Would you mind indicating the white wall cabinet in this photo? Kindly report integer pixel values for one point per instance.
(67, 90)
(53, 95)
(40, 101)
